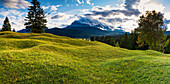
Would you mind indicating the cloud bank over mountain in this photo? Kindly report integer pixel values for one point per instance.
(124, 15)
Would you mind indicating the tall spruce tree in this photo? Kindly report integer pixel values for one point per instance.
(124, 41)
(132, 41)
(35, 21)
(6, 26)
(14, 30)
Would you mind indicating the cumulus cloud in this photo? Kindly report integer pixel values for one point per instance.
(60, 16)
(44, 7)
(128, 9)
(106, 13)
(124, 16)
(18, 4)
(79, 1)
(4, 12)
(130, 3)
(87, 2)
(149, 5)
(60, 20)
(54, 8)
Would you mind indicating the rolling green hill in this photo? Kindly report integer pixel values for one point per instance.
(46, 58)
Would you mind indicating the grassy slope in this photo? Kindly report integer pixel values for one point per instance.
(46, 58)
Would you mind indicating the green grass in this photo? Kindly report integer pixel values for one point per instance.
(47, 58)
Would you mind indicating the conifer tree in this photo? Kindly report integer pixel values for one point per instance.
(112, 42)
(124, 41)
(167, 49)
(117, 44)
(35, 20)
(132, 41)
(13, 30)
(92, 38)
(6, 26)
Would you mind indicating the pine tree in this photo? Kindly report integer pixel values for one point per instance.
(124, 41)
(35, 21)
(167, 49)
(117, 44)
(112, 42)
(92, 38)
(13, 30)
(6, 26)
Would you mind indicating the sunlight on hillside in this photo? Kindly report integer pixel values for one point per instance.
(46, 58)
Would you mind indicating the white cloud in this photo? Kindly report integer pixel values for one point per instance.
(67, 5)
(149, 5)
(60, 20)
(79, 1)
(44, 7)
(12, 12)
(54, 8)
(61, 16)
(88, 2)
(18, 4)
(167, 15)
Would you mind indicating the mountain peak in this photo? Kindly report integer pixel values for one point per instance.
(89, 22)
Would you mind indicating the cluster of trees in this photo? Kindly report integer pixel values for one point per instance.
(149, 35)
(128, 41)
(35, 20)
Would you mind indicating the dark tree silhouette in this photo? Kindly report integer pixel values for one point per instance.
(13, 30)
(124, 41)
(35, 20)
(6, 26)
(112, 42)
(92, 38)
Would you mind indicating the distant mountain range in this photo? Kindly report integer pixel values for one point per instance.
(84, 28)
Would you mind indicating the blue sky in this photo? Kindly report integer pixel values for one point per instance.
(116, 13)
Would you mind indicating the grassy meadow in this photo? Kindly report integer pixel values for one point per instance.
(46, 58)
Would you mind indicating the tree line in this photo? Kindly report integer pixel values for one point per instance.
(128, 41)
